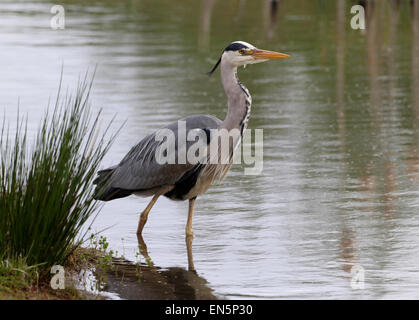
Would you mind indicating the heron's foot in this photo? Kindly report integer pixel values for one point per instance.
(142, 247)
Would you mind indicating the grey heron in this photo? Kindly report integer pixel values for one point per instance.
(141, 174)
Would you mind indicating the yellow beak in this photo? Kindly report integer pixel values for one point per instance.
(265, 54)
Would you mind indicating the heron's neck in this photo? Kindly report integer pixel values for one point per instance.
(239, 99)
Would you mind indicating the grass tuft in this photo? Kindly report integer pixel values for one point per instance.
(46, 188)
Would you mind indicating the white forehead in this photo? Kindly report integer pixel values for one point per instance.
(250, 46)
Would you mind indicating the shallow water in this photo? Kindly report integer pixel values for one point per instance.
(340, 179)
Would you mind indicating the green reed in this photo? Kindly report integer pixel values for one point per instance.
(46, 188)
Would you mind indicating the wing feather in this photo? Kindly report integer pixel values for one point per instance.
(139, 169)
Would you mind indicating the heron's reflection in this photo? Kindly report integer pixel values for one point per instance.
(144, 251)
(149, 282)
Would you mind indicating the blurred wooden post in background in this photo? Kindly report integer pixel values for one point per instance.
(270, 12)
(205, 24)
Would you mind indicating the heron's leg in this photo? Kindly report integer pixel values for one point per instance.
(189, 235)
(191, 266)
(144, 214)
(189, 229)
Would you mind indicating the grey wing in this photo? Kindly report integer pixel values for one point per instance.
(139, 169)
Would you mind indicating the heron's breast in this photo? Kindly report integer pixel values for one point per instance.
(206, 178)
(202, 184)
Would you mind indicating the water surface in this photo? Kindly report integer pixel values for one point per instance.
(340, 182)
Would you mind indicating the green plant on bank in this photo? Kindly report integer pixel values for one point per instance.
(138, 256)
(46, 187)
(97, 257)
(104, 259)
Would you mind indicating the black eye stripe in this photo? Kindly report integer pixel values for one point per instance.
(235, 46)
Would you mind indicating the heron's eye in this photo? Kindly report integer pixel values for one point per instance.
(242, 52)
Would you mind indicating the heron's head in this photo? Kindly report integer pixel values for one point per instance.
(240, 53)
